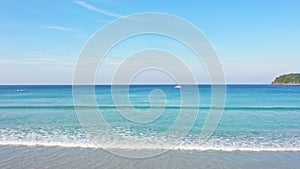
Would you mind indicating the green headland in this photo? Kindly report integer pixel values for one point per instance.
(287, 79)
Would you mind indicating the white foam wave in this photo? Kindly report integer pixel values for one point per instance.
(149, 147)
(58, 138)
(48, 144)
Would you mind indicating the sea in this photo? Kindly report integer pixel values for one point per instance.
(259, 122)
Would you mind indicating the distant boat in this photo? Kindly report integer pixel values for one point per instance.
(177, 87)
(21, 90)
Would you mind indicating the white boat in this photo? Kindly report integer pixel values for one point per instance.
(177, 87)
(21, 90)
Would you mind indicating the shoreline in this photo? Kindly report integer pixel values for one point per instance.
(59, 157)
(207, 149)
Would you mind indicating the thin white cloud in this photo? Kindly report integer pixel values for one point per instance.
(96, 9)
(59, 28)
(32, 61)
(35, 58)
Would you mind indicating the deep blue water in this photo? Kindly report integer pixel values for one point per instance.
(255, 118)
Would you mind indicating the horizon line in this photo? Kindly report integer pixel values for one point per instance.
(67, 84)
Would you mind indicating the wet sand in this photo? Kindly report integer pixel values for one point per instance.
(60, 157)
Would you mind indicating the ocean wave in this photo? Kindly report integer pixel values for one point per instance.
(58, 138)
(149, 147)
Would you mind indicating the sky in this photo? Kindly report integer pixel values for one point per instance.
(40, 40)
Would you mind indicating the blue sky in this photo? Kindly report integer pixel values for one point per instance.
(41, 39)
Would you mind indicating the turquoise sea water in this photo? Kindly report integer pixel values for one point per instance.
(256, 118)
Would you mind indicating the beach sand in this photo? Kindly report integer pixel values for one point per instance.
(60, 157)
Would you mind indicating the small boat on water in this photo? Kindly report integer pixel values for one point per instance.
(21, 90)
(177, 87)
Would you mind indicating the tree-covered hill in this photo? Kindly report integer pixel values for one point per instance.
(288, 79)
